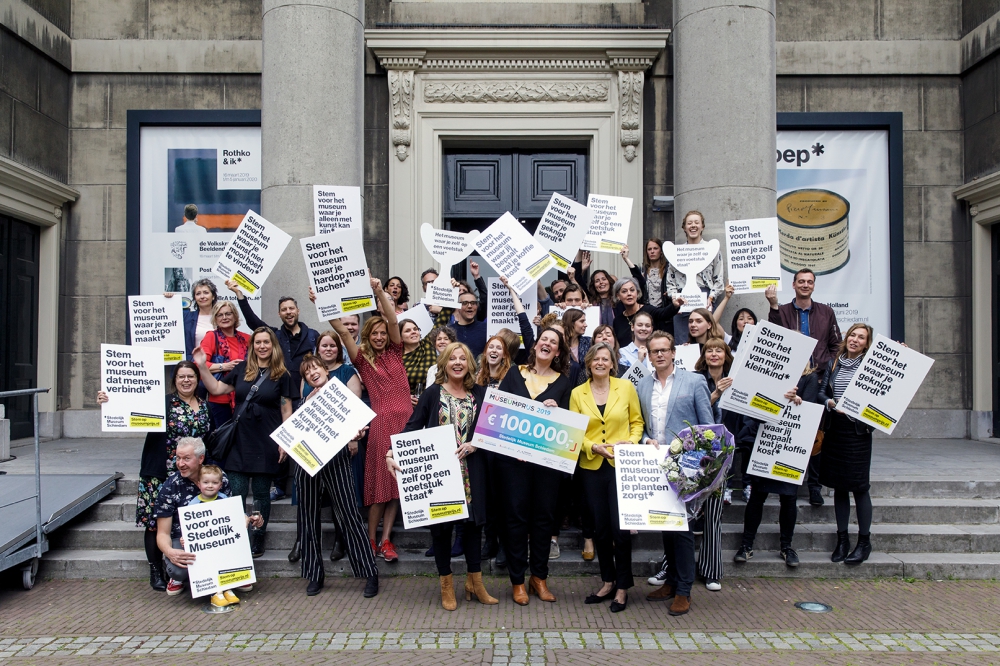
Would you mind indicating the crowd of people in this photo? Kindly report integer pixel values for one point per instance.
(416, 379)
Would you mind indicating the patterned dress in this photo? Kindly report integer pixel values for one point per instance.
(460, 413)
(182, 421)
(389, 392)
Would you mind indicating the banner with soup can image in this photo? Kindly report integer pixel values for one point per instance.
(833, 218)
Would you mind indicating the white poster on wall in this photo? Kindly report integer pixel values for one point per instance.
(833, 218)
(188, 208)
(157, 321)
(336, 208)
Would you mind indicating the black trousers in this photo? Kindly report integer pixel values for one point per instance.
(812, 472)
(471, 536)
(530, 494)
(613, 544)
(493, 529)
(337, 479)
(678, 547)
(755, 512)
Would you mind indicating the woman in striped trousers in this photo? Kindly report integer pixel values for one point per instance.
(710, 553)
(337, 479)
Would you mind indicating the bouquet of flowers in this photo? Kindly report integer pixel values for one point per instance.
(698, 462)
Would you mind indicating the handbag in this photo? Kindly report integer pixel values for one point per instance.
(220, 441)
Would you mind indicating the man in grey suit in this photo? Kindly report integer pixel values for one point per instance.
(670, 399)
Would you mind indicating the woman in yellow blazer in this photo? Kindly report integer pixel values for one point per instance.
(615, 418)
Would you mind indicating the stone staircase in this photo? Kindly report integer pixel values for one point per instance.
(922, 529)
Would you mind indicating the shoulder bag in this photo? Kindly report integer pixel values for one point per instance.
(220, 441)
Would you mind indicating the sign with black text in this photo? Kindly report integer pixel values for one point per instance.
(338, 273)
(781, 450)
(754, 255)
(513, 253)
(216, 533)
(691, 259)
(500, 307)
(645, 501)
(609, 229)
(336, 208)
(431, 489)
(157, 321)
(252, 253)
(133, 379)
(562, 228)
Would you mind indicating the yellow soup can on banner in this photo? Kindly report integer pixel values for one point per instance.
(813, 231)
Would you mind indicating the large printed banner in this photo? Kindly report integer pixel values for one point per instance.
(431, 489)
(527, 430)
(562, 228)
(781, 450)
(885, 383)
(645, 501)
(769, 367)
(252, 253)
(513, 253)
(753, 255)
(320, 428)
(338, 273)
(216, 532)
(133, 379)
(157, 321)
(217, 171)
(833, 218)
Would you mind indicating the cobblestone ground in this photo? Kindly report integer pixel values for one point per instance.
(749, 622)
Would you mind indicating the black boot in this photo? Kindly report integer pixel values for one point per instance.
(293, 554)
(315, 586)
(338, 551)
(371, 587)
(861, 551)
(843, 545)
(257, 542)
(156, 580)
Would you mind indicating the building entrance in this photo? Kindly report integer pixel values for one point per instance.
(19, 245)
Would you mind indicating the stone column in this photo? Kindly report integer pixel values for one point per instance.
(312, 123)
(724, 114)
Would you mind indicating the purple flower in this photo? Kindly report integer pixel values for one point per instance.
(688, 444)
(706, 461)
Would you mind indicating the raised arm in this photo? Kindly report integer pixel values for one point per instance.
(717, 315)
(484, 294)
(214, 386)
(388, 311)
(249, 316)
(349, 344)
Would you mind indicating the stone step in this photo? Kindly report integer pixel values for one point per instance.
(924, 511)
(100, 564)
(900, 488)
(888, 537)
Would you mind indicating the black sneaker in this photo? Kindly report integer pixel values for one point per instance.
(698, 526)
(743, 554)
(371, 587)
(790, 557)
(661, 574)
(816, 497)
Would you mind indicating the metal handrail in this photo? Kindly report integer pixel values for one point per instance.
(38, 459)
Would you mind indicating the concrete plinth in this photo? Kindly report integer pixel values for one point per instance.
(312, 122)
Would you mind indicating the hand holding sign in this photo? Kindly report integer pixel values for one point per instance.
(691, 259)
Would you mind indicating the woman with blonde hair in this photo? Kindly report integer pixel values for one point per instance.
(224, 347)
(263, 382)
(455, 399)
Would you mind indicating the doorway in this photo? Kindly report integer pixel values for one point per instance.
(19, 247)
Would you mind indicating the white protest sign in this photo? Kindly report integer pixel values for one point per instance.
(320, 428)
(500, 307)
(753, 253)
(691, 259)
(562, 228)
(338, 273)
(645, 501)
(513, 253)
(774, 360)
(527, 430)
(133, 379)
(447, 247)
(609, 229)
(885, 383)
(158, 321)
(238, 167)
(216, 532)
(252, 253)
(781, 450)
(685, 356)
(431, 489)
(419, 316)
(441, 293)
(636, 373)
(336, 208)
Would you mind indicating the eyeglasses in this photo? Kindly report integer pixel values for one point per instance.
(464, 303)
(660, 352)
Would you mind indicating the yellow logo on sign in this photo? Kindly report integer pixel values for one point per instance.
(614, 246)
(351, 304)
(876, 416)
(172, 356)
(763, 283)
(244, 283)
(538, 268)
(662, 519)
(445, 510)
(561, 263)
(783, 470)
(230, 577)
(305, 456)
(765, 404)
(136, 421)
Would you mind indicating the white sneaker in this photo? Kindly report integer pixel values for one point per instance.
(713, 585)
(661, 576)
(245, 588)
(727, 497)
(554, 550)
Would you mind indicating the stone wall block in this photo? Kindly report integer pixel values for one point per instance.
(975, 12)
(40, 142)
(932, 158)
(377, 152)
(79, 379)
(377, 253)
(982, 147)
(89, 101)
(979, 88)
(657, 103)
(791, 93)
(376, 204)
(948, 322)
(663, 148)
(921, 19)
(97, 157)
(56, 11)
(206, 19)
(53, 91)
(6, 124)
(946, 385)
(377, 106)
(913, 309)
(912, 213)
(242, 91)
(93, 268)
(936, 269)
(116, 322)
(110, 19)
(82, 323)
(866, 93)
(88, 214)
(943, 217)
(20, 69)
(825, 20)
(942, 103)
(519, 13)
(158, 91)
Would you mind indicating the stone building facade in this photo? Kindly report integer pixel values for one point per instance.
(73, 68)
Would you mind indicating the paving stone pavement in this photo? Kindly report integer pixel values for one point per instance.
(751, 621)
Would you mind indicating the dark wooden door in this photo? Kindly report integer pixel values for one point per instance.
(19, 244)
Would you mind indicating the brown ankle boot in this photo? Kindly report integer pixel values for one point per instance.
(663, 593)
(538, 587)
(474, 586)
(680, 606)
(520, 595)
(448, 594)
